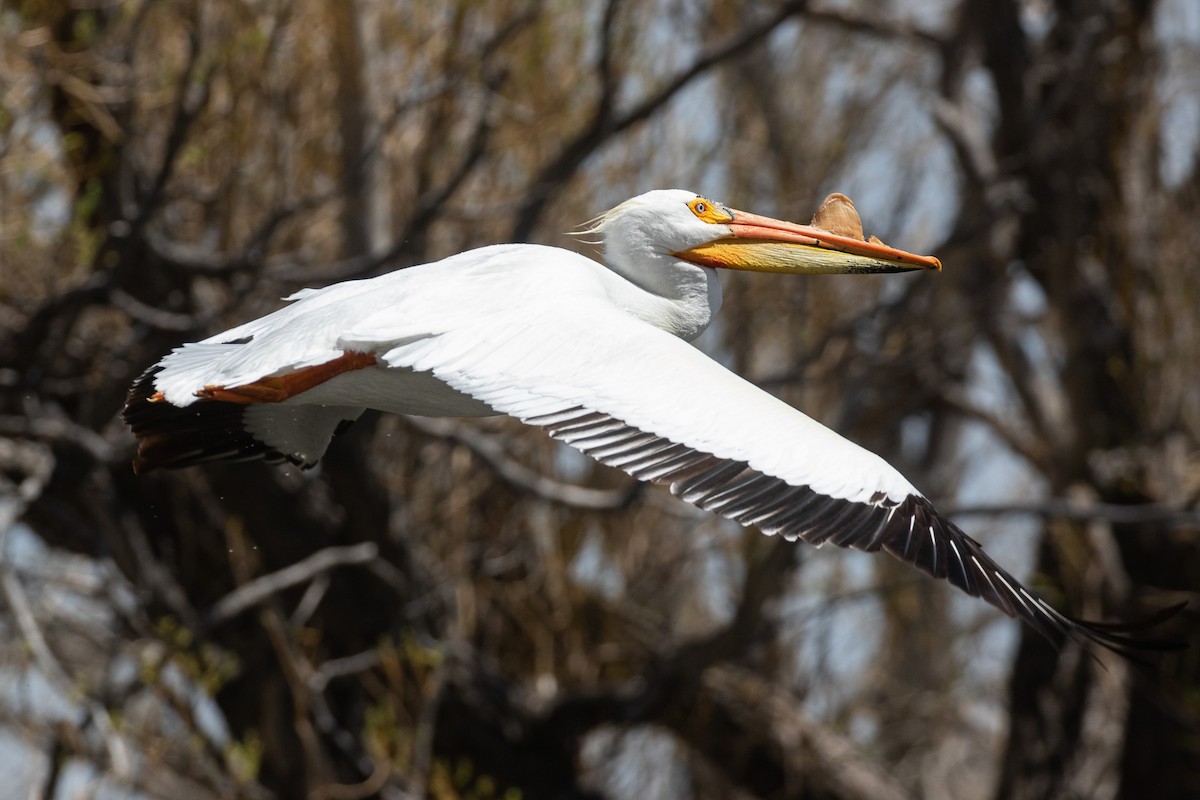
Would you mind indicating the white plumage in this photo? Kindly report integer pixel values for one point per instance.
(598, 356)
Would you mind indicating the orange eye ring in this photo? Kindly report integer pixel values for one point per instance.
(708, 211)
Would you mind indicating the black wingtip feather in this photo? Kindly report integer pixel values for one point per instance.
(1116, 635)
(170, 437)
(950, 553)
(910, 529)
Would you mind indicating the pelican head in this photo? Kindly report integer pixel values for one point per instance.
(682, 225)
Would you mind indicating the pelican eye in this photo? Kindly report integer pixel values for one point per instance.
(708, 211)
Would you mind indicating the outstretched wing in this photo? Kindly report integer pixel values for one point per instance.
(639, 399)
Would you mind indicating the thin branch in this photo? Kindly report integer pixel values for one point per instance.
(1020, 373)
(872, 27)
(604, 124)
(264, 587)
(56, 429)
(296, 669)
(55, 760)
(327, 724)
(808, 747)
(1032, 451)
(765, 580)
(1143, 514)
(199, 260)
(155, 576)
(432, 201)
(968, 138)
(604, 65)
(31, 632)
(354, 791)
(37, 464)
(188, 106)
(879, 314)
(309, 603)
(155, 317)
(341, 668)
(422, 745)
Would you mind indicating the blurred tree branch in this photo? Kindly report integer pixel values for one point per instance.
(606, 121)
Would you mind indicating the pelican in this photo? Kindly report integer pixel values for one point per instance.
(598, 356)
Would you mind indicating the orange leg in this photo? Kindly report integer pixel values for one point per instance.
(280, 387)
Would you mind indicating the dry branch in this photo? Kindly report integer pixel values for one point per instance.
(264, 587)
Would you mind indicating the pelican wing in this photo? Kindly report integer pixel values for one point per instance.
(639, 399)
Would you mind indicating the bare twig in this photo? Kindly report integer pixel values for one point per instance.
(55, 760)
(872, 26)
(605, 123)
(196, 259)
(56, 429)
(1022, 445)
(968, 137)
(310, 601)
(354, 791)
(1144, 514)
(155, 317)
(829, 757)
(31, 632)
(316, 681)
(422, 757)
(154, 575)
(191, 98)
(341, 667)
(264, 587)
(296, 670)
(880, 314)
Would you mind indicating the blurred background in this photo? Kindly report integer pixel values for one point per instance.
(463, 609)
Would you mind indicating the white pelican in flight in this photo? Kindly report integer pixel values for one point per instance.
(596, 355)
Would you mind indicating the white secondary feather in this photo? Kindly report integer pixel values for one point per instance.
(651, 381)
